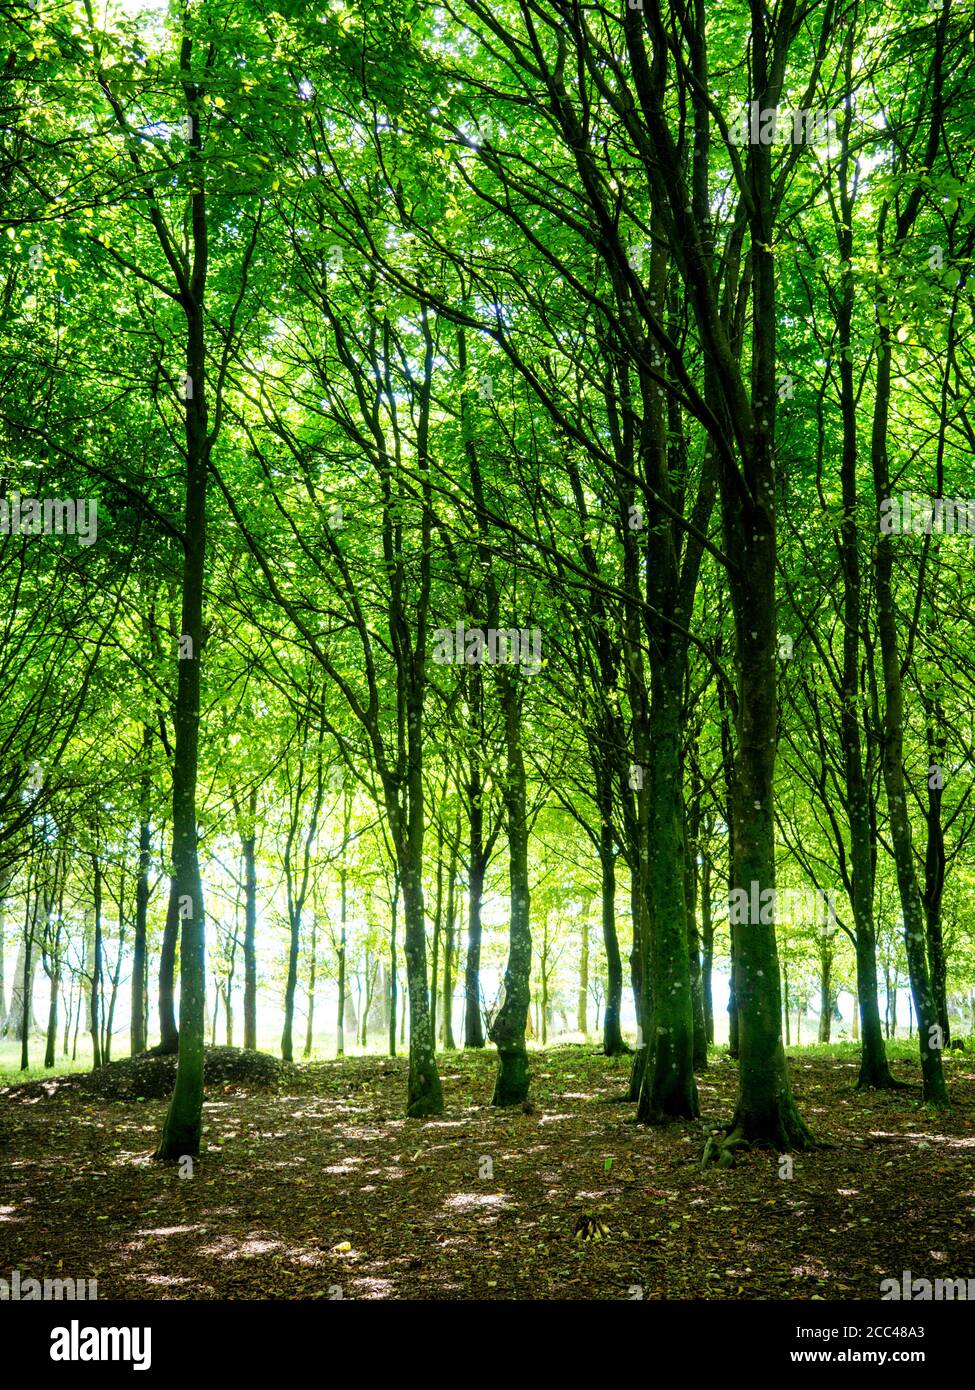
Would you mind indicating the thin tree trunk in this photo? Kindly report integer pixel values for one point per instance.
(137, 1022)
(343, 919)
(582, 1000)
(508, 1026)
(248, 844)
(393, 978)
(96, 963)
(707, 949)
(825, 993)
(448, 948)
(168, 1031)
(309, 1031)
(473, 1022)
(613, 1044)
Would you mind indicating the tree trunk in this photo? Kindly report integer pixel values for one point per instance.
(137, 1021)
(424, 1094)
(932, 1073)
(935, 865)
(183, 1125)
(248, 843)
(582, 1002)
(700, 1048)
(613, 1043)
(437, 925)
(3, 986)
(448, 951)
(393, 978)
(23, 986)
(291, 985)
(825, 992)
(473, 1022)
(765, 1113)
(344, 909)
(309, 1031)
(637, 972)
(508, 1027)
(874, 1068)
(96, 964)
(707, 949)
(669, 1090)
(168, 1031)
(785, 1002)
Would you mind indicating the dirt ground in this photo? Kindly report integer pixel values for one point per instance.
(320, 1188)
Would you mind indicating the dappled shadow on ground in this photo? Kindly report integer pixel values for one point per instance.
(324, 1190)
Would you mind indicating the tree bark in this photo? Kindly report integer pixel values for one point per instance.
(137, 1022)
(508, 1028)
(182, 1129)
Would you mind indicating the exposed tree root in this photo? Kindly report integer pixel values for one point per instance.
(889, 1084)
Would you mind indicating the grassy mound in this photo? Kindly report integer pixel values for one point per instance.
(151, 1077)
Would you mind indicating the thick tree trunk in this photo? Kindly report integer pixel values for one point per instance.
(669, 1090)
(182, 1129)
(425, 1096)
(765, 1114)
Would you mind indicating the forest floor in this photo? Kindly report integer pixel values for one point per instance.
(319, 1188)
